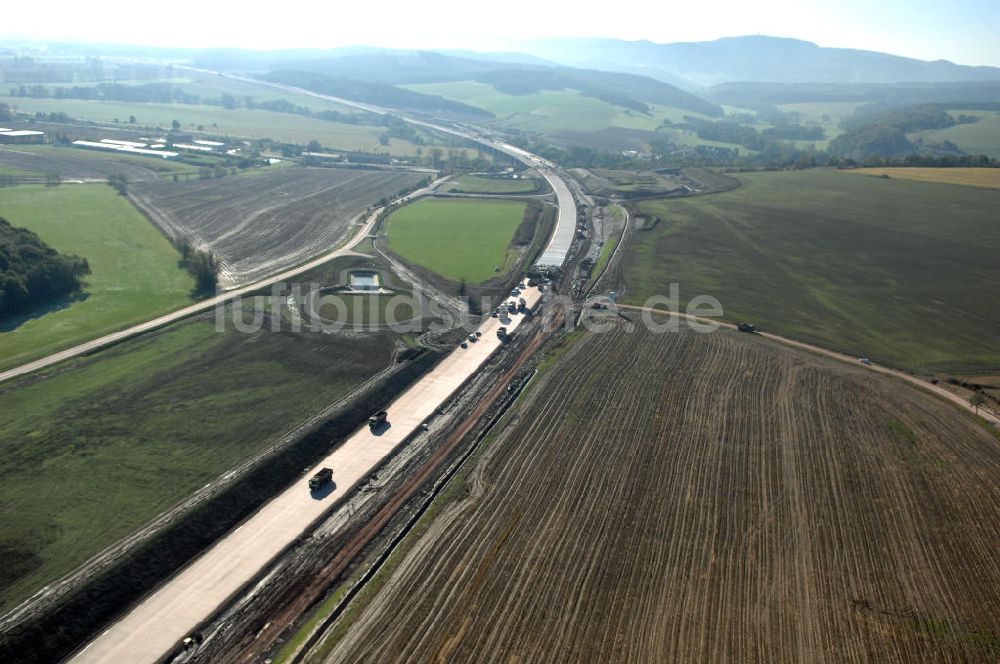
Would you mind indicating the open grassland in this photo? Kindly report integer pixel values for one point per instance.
(904, 272)
(982, 137)
(477, 184)
(261, 222)
(238, 123)
(541, 112)
(456, 238)
(702, 498)
(208, 85)
(972, 177)
(134, 271)
(76, 163)
(95, 448)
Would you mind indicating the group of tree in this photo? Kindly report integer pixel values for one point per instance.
(33, 274)
(203, 265)
(884, 133)
(118, 182)
(732, 130)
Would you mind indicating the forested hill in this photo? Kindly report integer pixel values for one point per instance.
(33, 274)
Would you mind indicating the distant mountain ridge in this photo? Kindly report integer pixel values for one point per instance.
(752, 59)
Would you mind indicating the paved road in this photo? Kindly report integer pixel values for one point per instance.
(842, 357)
(562, 237)
(155, 627)
(204, 305)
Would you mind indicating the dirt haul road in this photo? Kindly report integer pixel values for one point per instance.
(204, 305)
(155, 627)
(843, 357)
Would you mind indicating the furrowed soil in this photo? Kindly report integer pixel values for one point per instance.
(705, 498)
(261, 222)
(76, 163)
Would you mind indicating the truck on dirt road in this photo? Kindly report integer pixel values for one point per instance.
(324, 476)
(377, 420)
(746, 327)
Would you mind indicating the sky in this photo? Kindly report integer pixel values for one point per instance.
(962, 31)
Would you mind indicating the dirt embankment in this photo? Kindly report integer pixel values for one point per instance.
(360, 532)
(713, 497)
(56, 630)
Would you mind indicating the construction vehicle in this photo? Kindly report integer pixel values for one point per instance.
(377, 420)
(746, 327)
(502, 334)
(319, 479)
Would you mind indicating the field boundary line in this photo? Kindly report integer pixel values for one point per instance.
(840, 357)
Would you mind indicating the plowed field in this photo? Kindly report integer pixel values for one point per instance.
(706, 498)
(262, 222)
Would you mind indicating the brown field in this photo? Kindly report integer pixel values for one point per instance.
(972, 177)
(704, 498)
(75, 163)
(261, 222)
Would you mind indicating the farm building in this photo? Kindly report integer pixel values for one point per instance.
(212, 145)
(22, 136)
(118, 147)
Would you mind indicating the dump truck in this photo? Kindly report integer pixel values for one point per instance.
(746, 327)
(319, 479)
(377, 420)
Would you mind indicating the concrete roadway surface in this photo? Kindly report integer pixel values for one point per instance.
(842, 357)
(204, 305)
(562, 237)
(156, 626)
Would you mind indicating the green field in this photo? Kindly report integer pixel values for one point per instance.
(476, 184)
(93, 449)
(902, 271)
(550, 111)
(239, 122)
(134, 272)
(456, 238)
(982, 137)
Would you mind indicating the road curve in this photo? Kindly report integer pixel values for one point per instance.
(842, 357)
(204, 305)
(154, 628)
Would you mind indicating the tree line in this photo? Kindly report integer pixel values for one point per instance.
(33, 274)
(203, 266)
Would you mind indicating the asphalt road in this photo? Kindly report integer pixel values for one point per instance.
(164, 618)
(204, 305)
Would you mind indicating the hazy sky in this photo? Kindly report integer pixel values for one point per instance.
(963, 31)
